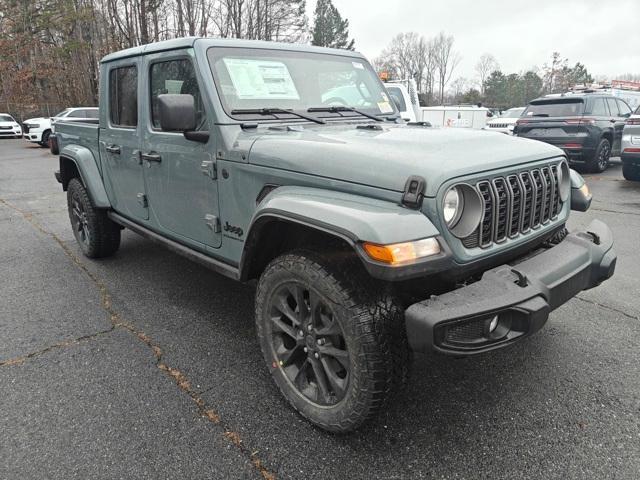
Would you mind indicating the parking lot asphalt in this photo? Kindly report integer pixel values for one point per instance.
(145, 365)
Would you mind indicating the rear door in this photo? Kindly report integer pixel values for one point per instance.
(180, 174)
(120, 140)
(617, 121)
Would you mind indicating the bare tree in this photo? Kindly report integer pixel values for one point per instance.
(485, 66)
(446, 61)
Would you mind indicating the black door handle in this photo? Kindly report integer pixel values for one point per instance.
(151, 157)
(113, 149)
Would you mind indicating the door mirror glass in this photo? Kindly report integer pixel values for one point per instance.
(177, 112)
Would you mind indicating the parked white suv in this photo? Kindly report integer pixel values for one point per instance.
(9, 127)
(505, 122)
(38, 130)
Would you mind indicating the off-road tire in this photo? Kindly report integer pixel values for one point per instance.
(631, 172)
(372, 323)
(600, 160)
(103, 238)
(44, 140)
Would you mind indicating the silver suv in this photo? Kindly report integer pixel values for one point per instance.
(631, 148)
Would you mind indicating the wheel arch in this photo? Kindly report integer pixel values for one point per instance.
(79, 162)
(293, 217)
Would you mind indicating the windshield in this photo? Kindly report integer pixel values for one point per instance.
(555, 108)
(397, 96)
(250, 79)
(512, 113)
(6, 118)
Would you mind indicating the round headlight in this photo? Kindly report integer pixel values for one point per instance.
(452, 206)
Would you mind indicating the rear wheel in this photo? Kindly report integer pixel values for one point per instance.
(333, 340)
(631, 172)
(600, 160)
(96, 234)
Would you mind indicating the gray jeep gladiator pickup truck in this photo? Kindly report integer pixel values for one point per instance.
(369, 238)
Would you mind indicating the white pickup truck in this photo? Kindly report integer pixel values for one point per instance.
(38, 130)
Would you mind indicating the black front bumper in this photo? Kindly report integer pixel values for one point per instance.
(513, 301)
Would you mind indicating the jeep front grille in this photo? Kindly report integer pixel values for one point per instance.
(515, 204)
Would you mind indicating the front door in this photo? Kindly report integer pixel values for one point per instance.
(180, 174)
(617, 122)
(120, 141)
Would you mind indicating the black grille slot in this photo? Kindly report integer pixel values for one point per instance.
(513, 205)
(516, 205)
(538, 188)
(502, 208)
(466, 332)
(486, 225)
(556, 197)
(549, 193)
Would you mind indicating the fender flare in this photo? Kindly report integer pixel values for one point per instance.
(352, 218)
(87, 166)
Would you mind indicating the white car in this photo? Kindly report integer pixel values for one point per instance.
(404, 94)
(38, 130)
(505, 122)
(9, 127)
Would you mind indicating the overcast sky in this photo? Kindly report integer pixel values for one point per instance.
(602, 34)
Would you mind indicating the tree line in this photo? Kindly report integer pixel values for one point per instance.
(432, 62)
(50, 49)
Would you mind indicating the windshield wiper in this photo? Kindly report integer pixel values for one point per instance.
(272, 111)
(338, 109)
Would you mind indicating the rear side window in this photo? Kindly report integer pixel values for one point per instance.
(396, 94)
(77, 114)
(613, 107)
(625, 110)
(91, 113)
(123, 96)
(599, 108)
(555, 108)
(175, 76)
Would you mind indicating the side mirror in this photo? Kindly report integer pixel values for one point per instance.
(177, 112)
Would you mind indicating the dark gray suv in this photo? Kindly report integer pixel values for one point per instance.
(588, 127)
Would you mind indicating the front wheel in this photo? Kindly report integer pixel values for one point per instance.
(96, 234)
(44, 141)
(333, 340)
(600, 160)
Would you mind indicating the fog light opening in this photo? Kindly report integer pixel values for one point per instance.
(493, 324)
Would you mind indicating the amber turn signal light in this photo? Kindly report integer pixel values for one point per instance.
(402, 253)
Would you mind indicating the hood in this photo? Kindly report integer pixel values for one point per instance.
(386, 158)
(38, 120)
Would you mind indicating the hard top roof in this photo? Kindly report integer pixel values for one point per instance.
(189, 42)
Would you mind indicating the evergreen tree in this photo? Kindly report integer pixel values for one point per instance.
(329, 29)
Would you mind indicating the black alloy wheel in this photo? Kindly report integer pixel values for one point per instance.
(308, 343)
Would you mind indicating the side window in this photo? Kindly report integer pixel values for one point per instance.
(625, 110)
(599, 108)
(78, 114)
(123, 96)
(175, 76)
(91, 113)
(613, 107)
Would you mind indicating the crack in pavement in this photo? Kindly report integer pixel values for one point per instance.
(614, 211)
(117, 322)
(74, 341)
(613, 309)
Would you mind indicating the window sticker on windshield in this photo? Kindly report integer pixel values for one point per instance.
(385, 107)
(358, 65)
(261, 79)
